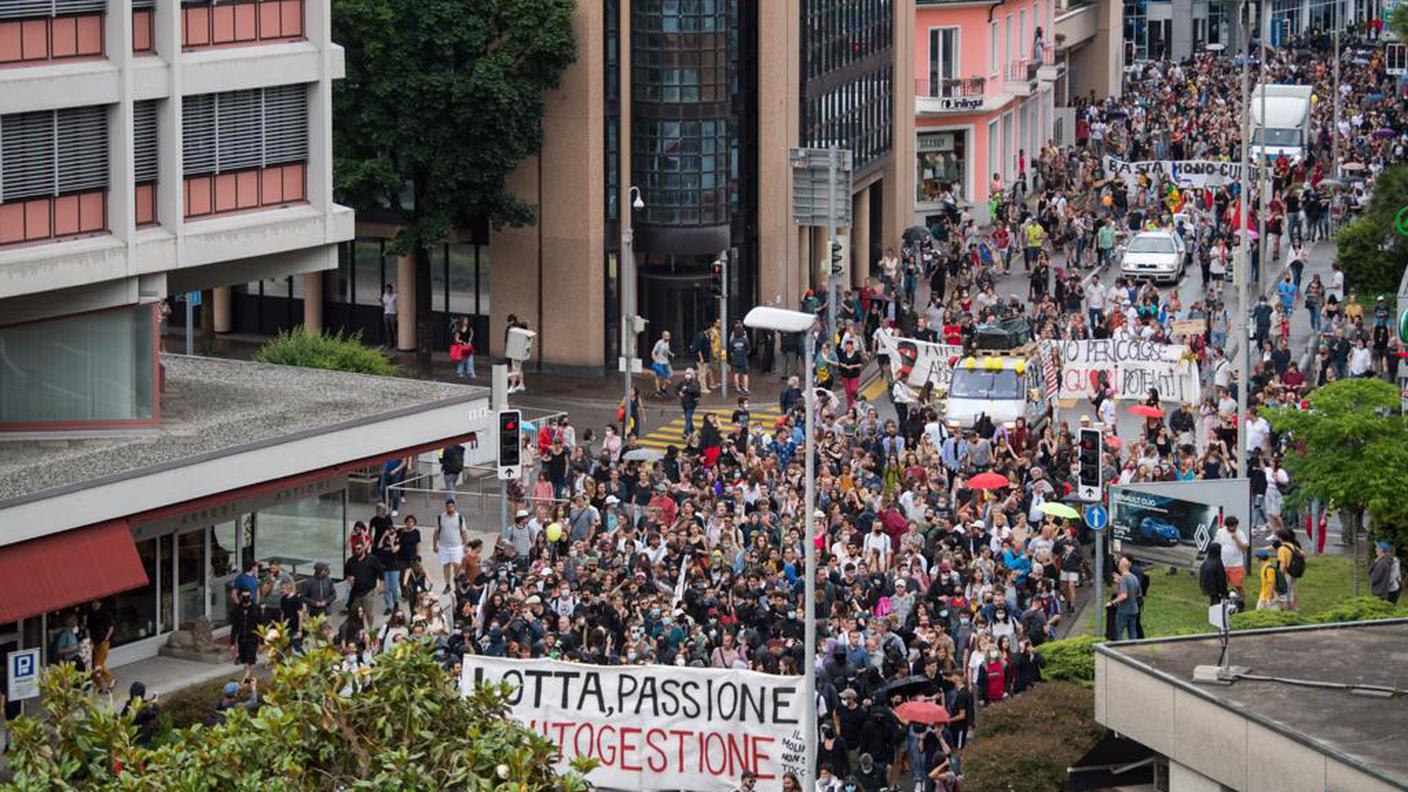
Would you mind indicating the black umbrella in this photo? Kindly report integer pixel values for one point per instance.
(915, 234)
(906, 685)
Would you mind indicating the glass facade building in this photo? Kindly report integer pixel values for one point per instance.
(848, 77)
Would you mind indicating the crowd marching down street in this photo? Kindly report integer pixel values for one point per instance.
(943, 566)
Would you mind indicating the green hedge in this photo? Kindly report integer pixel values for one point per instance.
(1025, 744)
(1069, 660)
(331, 351)
(1359, 609)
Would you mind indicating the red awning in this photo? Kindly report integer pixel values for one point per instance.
(67, 568)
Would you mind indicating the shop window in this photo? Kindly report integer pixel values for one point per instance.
(302, 532)
(942, 165)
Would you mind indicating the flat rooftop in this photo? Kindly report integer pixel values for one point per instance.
(211, 407)
(1361, 729)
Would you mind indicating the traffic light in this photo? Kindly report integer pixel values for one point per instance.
(1090, 459)
(509, 453)
(837, 251)
(716, 280)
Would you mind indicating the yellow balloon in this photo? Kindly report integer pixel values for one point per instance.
(992, 364)
(554, 531)
(970, 363)
(1020, 367)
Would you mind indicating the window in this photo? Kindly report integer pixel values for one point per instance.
(218, 23)
(95, 367)
(1007, 39)
(244, 149)
(143, 26)
(685, 168)
(942, 165)
(1022, 29)
(41, 30)
(993, 65)
(144, 145)
(53, 174)
(943, 60)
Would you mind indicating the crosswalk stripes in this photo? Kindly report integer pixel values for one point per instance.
(671, 433)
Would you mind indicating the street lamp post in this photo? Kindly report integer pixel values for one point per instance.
(1243, 341)
(785, 321)
(628, 303)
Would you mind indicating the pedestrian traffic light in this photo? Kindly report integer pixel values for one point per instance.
(1089, 477)
(837, 251)
(509, 453)
(716, 280)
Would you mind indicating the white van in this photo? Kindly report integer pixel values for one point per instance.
(1003, 386)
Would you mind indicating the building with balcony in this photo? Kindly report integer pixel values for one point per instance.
(151, 149)
(696, 103)
(985, 98)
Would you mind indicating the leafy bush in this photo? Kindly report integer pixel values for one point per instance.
(331, 351)
(1070, 660)
(1026, 743)
(1266, 619)
(307, 736)
(1358, 609)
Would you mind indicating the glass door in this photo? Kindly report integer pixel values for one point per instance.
(190, 576)
(224, 566)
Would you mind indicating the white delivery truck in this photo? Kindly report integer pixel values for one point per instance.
(1285, 126)
(1003, 385)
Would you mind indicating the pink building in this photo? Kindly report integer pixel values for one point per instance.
(985, 75)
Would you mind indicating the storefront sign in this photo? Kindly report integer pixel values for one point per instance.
(920, 363)
(1129, 367)
(952, 103)
(657, 727)
(216, 513)
(1184, 173)
(938, 141)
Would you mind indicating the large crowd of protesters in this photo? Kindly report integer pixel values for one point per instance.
(929, 586)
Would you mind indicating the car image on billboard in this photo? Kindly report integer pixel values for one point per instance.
(1160, 528)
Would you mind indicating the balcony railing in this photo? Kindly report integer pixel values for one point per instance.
(949, 95)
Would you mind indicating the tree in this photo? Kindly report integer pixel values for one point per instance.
(1398, 21)
(406, 726)
(442, 100)
(1351, 450)
(1370, 250)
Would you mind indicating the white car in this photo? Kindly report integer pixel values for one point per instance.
(1154, 255)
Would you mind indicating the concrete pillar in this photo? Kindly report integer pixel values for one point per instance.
(860, 238)
(1181, 44)
(406, 302)
(224, 321)
(313, 303)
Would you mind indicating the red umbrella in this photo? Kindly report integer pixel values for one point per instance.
(988, 481)
(1146, 411)
(922, 712)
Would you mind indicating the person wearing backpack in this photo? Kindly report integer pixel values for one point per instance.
(1273, 582)
(1292, 558)
(452, 466)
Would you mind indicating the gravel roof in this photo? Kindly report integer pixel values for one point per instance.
(212, 406)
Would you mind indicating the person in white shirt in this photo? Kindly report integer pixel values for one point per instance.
(1361, 359)
(1095, 301)
(660, 356)
(877, 547)
(1336, 286)
(388, 316)
(451, 535)
(1233, 542)
(1258, 433)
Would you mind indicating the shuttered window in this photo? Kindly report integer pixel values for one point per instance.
(136, 4)
(144, 140)
(239, 130)
(30, 9)
(53, 152)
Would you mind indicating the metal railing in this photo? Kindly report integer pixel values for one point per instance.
(950, 87)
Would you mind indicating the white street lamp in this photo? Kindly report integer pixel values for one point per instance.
(782, 320)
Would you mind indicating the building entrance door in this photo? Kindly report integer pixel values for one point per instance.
(680, 302)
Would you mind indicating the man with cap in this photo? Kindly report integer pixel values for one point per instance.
(229, 699)
(520, 536)
(319, 591)
(451, 535)
(1386, 573)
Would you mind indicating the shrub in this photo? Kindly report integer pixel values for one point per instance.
(1358, 609)
(1265, 619)
(331, 351)
(1026, 743)
(1070, 660)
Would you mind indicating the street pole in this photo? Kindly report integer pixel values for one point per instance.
(628, 308)
(1335, 38)
(190, 328)
(1264, 266)
(1100, 584)
(831, 311)
(723, 326)
(809, 592)
(1242, 339)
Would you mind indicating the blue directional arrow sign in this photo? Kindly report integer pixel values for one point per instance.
(1096, 517)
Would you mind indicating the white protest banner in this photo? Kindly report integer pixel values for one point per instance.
(1184, 173)
(1128, 366)
(920, 362)
(657, 727)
